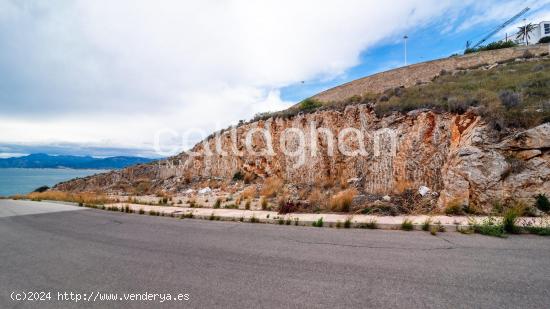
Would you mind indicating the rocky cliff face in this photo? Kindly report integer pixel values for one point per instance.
(456, 156)
(459, 156)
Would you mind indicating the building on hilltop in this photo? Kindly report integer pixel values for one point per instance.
(540, 30)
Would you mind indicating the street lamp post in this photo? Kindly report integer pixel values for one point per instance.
(405, 38)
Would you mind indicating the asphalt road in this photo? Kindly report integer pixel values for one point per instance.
(243, 265)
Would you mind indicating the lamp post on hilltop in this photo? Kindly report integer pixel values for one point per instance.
(405, 38)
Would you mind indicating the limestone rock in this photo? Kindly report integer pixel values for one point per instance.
(528, 154)
(453, 155)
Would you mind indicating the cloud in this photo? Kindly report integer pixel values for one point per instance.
(113, 73)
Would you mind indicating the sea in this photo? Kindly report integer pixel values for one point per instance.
(25, 180)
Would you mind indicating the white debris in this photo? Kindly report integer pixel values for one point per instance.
(189, 191)
(206, 190)
(354, 180)
(386, 198)
(423, 190)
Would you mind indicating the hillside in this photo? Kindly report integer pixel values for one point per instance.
(77, 162)
(476, 134)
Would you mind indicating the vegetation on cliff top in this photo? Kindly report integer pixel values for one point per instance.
(511, 95)
(515, 95)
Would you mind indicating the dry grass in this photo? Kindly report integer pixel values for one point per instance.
(272, 186)
(509, 96)
(317, 199)
(264, 203)
(248, 193)
(341, 201)
(81, 198)
(249, 177)
(343, 182)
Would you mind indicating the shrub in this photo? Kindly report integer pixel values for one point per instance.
(509, 99)
(247, 204)
(407, 225)
(254, 220)
(515, 166)
(342, 200)
(538, 230)
(372, 225)
(491, 46)
(318, 223)
(309, 104)
(542, 203)
(281, 221)
(317, 199)
(249, 192)
(545, 39)
(263, 203)
(231, 206)
(271, 187)
(218, 203)
(288, 207)
(238, 176)
(143, 187)
(426, 225)
(510, 218)
(489, 228)
(454, 207)
(347, 223)
(141, 211)
(85, 198)
(41, 189)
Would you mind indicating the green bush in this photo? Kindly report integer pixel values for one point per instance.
(347, 224)
(491, 46)
(545, 39)
(318, 223)
(483, 90)
(426, 225)
(310, 104)
(509, 220)
(454, 208)
(541, 231)
(407, 225)
(217, 204)
(542, 203)
(489, 228)
(238, 176)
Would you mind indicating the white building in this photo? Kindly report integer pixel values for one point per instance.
(540, 31)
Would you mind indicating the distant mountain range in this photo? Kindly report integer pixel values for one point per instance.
(41, 160)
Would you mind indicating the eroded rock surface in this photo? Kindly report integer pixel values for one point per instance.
(456, 156)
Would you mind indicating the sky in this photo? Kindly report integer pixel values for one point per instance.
(120, 77)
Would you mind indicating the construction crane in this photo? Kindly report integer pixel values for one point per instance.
(497, 29)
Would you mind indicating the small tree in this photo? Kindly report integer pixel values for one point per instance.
(542, 203)
(524, 32)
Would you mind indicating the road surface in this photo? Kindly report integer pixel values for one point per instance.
(62, 249)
